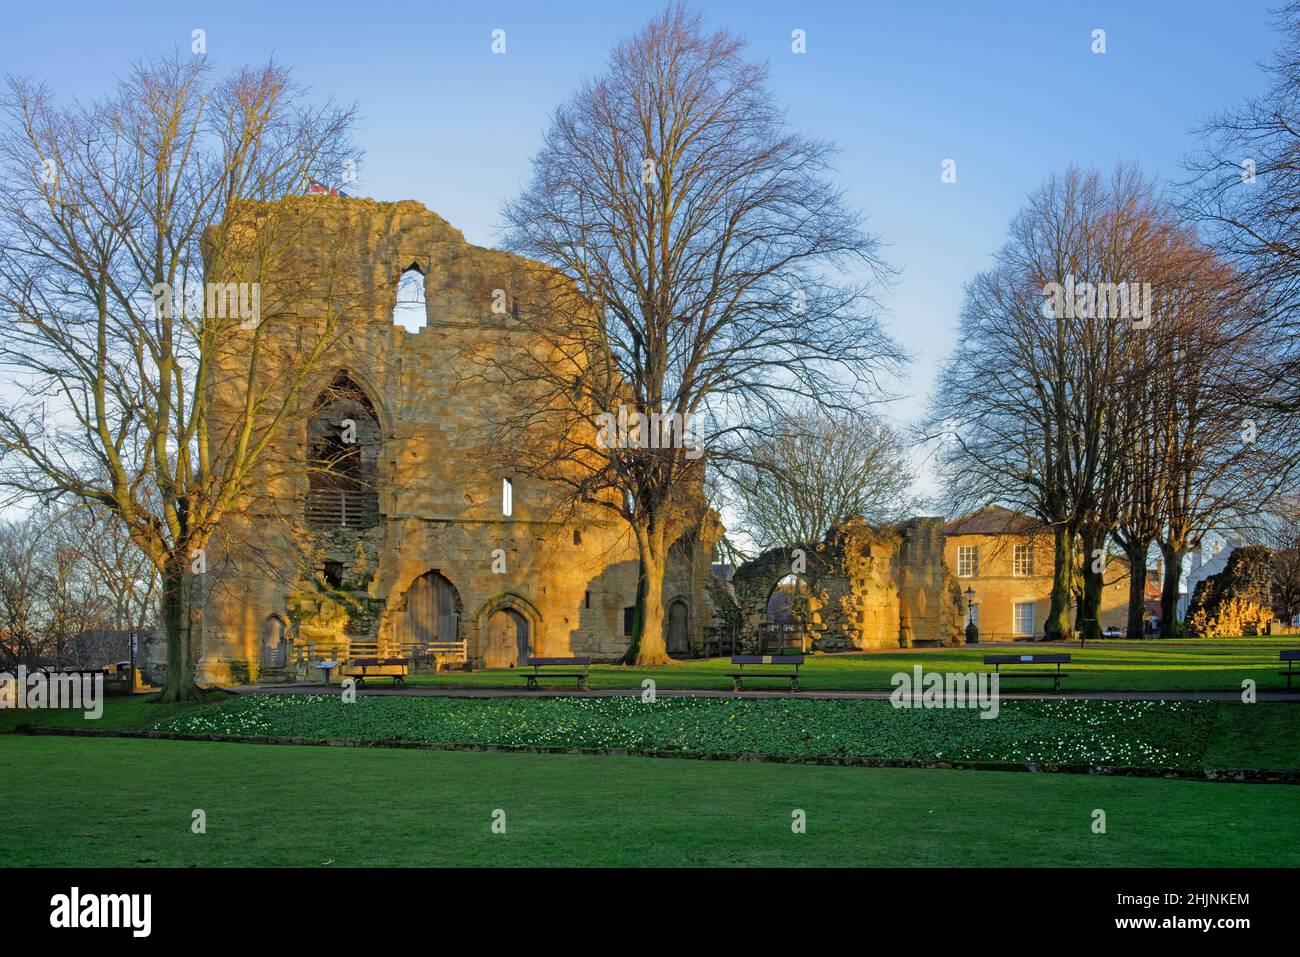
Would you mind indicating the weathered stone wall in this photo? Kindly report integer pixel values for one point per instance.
(1238, 600)
(570, 575)
(867, 587)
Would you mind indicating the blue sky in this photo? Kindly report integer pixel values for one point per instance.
(1010, 90)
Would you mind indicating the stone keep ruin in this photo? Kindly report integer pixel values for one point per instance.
(397, 548)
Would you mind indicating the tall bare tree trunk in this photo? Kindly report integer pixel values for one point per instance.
(1173, 556)
(1137, 587)
(175, 620)
(651, 649)
(1094, 539)
(1057, 626)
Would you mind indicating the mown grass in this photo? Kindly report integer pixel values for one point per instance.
(75, 802)
(1152, 666)
(133, 713)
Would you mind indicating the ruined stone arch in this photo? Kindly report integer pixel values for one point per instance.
(755, 580)
(370, 388)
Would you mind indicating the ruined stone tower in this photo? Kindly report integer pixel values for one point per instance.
(413, 543)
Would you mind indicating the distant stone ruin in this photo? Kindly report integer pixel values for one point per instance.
(865, 587)
(1238, 600)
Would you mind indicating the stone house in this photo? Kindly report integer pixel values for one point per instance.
(1005, 559)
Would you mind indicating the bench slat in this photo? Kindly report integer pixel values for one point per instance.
(767, 659)
(534, 662)
(1049, 659)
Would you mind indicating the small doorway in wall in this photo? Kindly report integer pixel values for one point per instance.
(679, 638)
(275, 644)
(508, 642)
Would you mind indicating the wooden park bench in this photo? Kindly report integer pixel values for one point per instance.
(738, 677)
(997, 661)
(539, 663)
(363, 668)
(1290, 657)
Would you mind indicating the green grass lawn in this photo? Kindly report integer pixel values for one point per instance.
(120, 714)
(111, 802)
(1153, 666)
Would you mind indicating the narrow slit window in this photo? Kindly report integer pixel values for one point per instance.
(507, 497)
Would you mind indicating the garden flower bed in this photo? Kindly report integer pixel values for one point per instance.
(1120, 734)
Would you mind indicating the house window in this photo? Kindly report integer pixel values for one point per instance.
(629, 619)
(577, 537)
(333, 574)
(968, 561)
(1022, 618)
(507, 497)
(1022, 561)
(586, 600)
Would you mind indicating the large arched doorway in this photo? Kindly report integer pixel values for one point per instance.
(679, 637)
(508, 642)
(789, 615)
(430, 611)
(275, 644)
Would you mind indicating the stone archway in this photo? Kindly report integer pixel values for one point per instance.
(275, 643)
(509, 630)
(756, 580)
(428, 611)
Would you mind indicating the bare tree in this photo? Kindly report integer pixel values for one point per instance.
(700, 259)
(805, 473)
(1101, 385)
(25, 639)
(140, 258)
(126, 573)
(1278, 529)
(1027, 404)
(1244, 190)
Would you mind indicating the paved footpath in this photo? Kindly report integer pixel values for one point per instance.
(426, 691)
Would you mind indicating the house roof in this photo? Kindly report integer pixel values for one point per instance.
(993, 520)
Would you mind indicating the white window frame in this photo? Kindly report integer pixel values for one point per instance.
(974, 554)
(1015, 618)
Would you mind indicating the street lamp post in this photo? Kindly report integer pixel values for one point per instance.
(972, 630)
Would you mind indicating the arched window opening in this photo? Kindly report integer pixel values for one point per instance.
(410, 312)
(344, 440)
